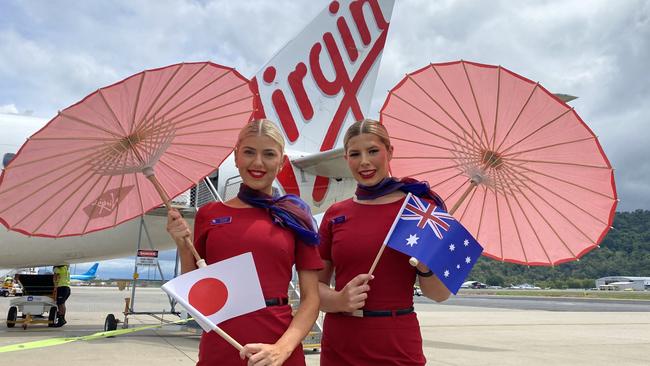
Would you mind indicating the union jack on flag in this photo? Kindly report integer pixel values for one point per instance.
(426, 214)
(428, 233)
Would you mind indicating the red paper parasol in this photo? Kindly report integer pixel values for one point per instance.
(86, 170)
(527, 176)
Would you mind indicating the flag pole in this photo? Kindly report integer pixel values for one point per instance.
(383, 246)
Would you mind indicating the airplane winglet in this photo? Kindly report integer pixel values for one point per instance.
(329, 164)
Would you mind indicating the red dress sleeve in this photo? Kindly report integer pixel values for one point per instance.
(307, 257)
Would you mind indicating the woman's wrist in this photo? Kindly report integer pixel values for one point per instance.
(428, 273)
(339, 304)
(182, 248)
(285, 349)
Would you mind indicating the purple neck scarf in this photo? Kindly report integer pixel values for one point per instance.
(288, 211)
(406, 185)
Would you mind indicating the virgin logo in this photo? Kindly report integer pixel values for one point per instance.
(323, 68)
(349, 84)
(107, 203)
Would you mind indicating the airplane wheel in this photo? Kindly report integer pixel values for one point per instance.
(12, 315)
(51, 319)
(110, 323)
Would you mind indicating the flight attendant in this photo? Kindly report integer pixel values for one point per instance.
(370, 319)
(280, 232)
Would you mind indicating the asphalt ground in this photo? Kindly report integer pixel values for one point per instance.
(546, 303)
(466, 330)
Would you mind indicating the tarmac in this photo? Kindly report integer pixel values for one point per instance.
(452, 334)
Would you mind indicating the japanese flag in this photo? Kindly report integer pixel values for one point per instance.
(220, 291)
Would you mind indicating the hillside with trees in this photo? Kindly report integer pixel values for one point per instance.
(625, 251)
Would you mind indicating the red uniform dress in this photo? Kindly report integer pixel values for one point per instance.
(351, 235)
(221, 232)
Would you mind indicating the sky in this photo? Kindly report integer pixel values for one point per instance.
(53, 53)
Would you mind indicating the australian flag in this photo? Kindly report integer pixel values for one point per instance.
(428, 233)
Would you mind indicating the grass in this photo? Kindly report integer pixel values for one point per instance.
(587, 294)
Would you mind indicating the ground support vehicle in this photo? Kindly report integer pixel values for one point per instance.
(37, 305)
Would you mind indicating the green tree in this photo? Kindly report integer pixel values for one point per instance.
(625, 251)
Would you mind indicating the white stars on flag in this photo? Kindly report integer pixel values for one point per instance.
(412, 240)
(425, 231)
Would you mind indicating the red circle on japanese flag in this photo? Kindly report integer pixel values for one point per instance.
(208, 296)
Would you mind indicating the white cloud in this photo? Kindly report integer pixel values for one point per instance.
(9, 108)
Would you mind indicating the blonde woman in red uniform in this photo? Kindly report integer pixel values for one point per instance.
(370, 319)
(280, 232)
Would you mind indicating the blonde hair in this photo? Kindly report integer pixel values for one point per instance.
(367, 126)
(261, 127)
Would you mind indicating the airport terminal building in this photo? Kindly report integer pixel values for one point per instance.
(621, 283)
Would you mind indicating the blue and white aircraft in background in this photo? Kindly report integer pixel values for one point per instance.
(89, 275)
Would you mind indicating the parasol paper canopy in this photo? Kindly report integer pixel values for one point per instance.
(527, 176)
(86, 170)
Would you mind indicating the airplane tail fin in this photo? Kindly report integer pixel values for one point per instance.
(321, 82)
(92, 271)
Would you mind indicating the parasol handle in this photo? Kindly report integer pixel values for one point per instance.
(473, 184)
(200, 263)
